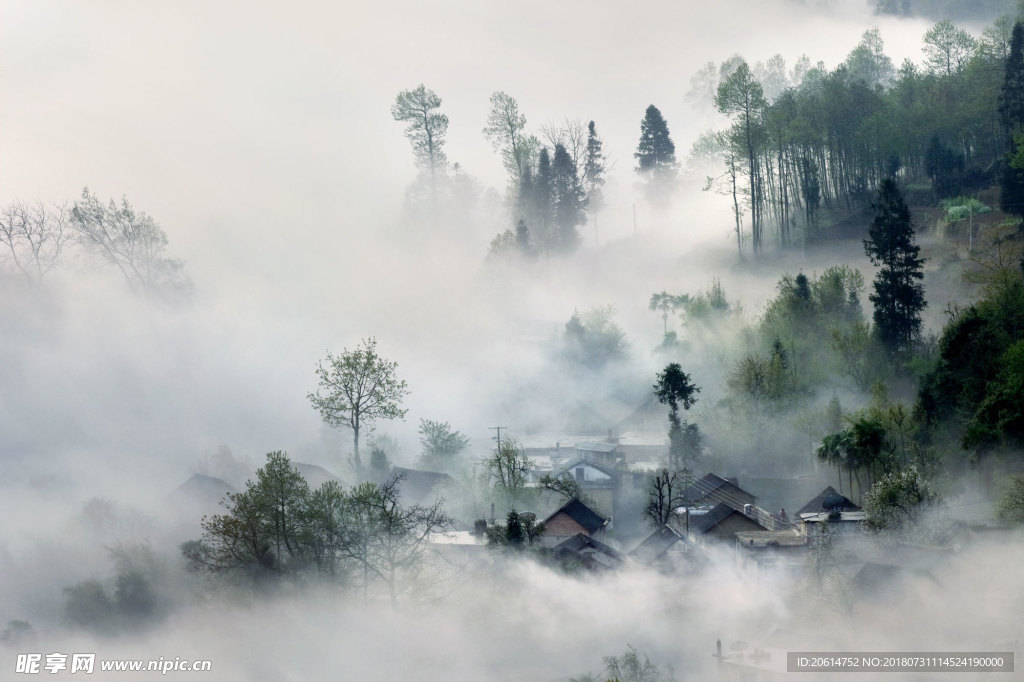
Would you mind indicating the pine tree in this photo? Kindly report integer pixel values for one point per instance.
(567, 202)
(541, 202)
(1011, 97)
(656, 155)
(593, 170)
(426, 128)
(898, 294)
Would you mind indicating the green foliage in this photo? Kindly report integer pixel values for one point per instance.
(1010, 507)
(357, 388)
(567, 202)
(1011, 196)
(506, 129)
(707, 304)
(594, 169)
(898, 295)
(17, 633)
(508, 469)
(947, 48)
(592, 339)
(87, 605)
(999, 418)
(674, 388)
(426, 127)
(1011, 95)
(520, 531)
(741, 97)
(815, 149)
(138, 598)
(131, 242)
(666, 303)
(441, 445)
(635, 666)
(262, 532)
(277, 528)
(656, 156)
(565, 486)
(972, 394)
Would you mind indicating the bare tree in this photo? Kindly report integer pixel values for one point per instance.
(664, 496)
(34, 236)
(387, 539)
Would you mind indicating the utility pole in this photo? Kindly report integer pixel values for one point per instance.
(498, 438)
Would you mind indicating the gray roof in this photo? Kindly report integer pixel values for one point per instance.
(710, 484)
(596, 447)
(581, 514)
(655, 545)
(817, 505)
(586, 547)
(417, 486)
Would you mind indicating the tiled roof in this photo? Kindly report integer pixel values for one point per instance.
(817, 505)
(581, 514)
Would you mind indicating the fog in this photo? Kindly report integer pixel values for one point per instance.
(259, 137)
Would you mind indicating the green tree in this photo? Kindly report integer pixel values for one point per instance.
(656, 156)
(1011, 181)
(898, 295)
(130, 241)
(868, 61)
(742, 97)
(592, 339)
(506, 130)
(519, 532)
(425, 129)
(666, 303)
(261, 533)
(357, 388)
(959, 209)
(567, 202)
(1011, 95)
(441, 445)
(674, 388)
(1010, 506)
(593, 173)
(633, 666)
(387, 539)
(508, 468)
(947, 48)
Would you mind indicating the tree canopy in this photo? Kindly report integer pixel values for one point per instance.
(356, 389)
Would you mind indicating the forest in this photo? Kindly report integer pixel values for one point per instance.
(400, 383)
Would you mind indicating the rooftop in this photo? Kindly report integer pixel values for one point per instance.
(770, 538)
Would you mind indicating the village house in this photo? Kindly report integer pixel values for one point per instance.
(834, 509)
(712, 489)
(772, 551)
(589, 553)
(718, 523)
(665, 548)
(570, 519)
